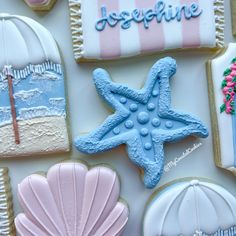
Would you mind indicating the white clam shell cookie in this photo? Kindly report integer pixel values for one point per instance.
(190, 207)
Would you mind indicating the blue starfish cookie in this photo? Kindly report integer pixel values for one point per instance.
(143, 120)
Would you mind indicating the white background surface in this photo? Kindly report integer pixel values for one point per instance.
(189, 93)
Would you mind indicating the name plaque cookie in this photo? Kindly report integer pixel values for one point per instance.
(113, 29)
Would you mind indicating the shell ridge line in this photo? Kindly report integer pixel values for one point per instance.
(61, 199)
(105, 203)
(41, 205)
(92, 200)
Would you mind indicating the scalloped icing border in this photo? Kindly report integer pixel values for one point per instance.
(76, 28)
(7, 226)
(220, 22)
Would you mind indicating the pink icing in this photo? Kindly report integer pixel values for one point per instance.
(229, 90)
(110, 36)
(191, 29)
(152, 38)
(71, 201)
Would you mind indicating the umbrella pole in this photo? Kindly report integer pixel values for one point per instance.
(13, 110)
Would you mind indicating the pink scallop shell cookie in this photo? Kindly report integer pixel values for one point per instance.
(71, 200)
(40, 5)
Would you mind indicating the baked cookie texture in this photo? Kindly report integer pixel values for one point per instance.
(33, 103)
(72, 200)
(106, 30)
(143, 120)
(190, 206)
(40, 5)
(221, 84)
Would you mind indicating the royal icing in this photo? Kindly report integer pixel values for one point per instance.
(6, 206)
(40, 4)
(104, 29)
(71, 200)
(191, 207)
(143, 120)
(233, 13)
(221, 85)
(32, 104)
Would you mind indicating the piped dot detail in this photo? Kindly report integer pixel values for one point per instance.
(116, 131)
(129, 124)
(151, 106)
(143, 118)
(144, 132)
(148, 146)
(123, 100)
(169, 124)
(156, 122)
(133, 107)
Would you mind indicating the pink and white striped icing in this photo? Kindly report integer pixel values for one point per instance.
(115, 42)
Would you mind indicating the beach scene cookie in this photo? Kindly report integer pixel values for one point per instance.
(222, 89)
(40, 5)
(190, 207)
(72, 200)
(105, 29)
(32, 104)
(143, 120)
(7, 226)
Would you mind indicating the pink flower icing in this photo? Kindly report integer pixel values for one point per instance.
(71, 201)
(229, 89)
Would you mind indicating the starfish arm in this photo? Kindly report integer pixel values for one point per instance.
(162, 135)
(163, 68)
(187, 119)
(152, 168)
(91, 144)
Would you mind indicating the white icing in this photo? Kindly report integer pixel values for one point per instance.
(24, 41)
(28, 95)
(39, 135)
(92, 39)
(190, 208)
(207, 28)
(218, 66)
(129, 47)
(41, 111)
(168, 29)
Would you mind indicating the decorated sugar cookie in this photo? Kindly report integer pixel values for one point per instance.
(222, 89)
(143, 120)
(113, 29)
(233, 13)
(32, 104)
(6, 206)
(71, 200)
(191, 207)
(40, 5)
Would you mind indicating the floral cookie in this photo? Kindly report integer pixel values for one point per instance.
(190, 207)
(32, 104)
(143, 120)
(40, 5)
(222, 89)
(105, 29)
(72, 200)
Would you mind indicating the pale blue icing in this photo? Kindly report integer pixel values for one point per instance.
(160, 12)
(38, 92)
(143, 120)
